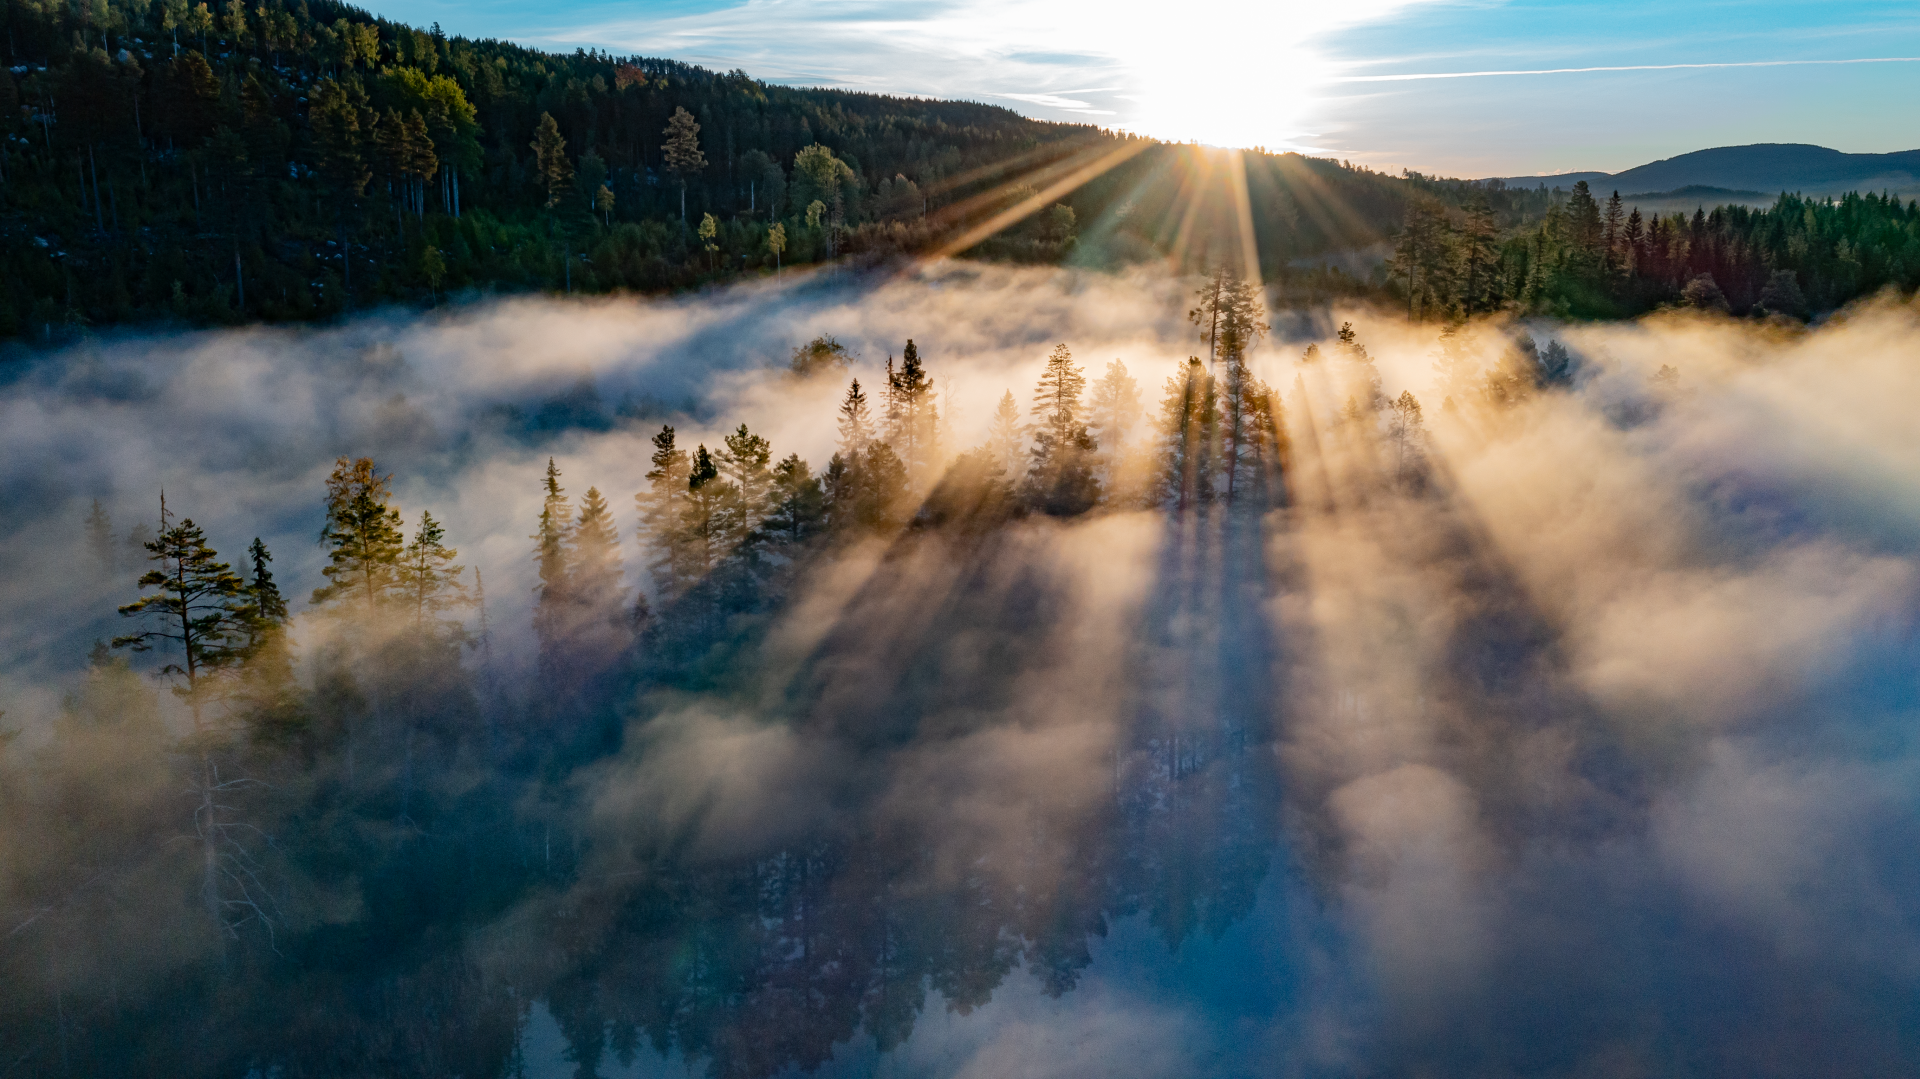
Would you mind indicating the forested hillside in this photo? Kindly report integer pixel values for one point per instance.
(197, 164)
(1587, 259)
(291, 161)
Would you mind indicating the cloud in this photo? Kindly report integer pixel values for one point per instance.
(1261, 62)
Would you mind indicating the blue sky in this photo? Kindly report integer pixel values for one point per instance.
(1307, 74)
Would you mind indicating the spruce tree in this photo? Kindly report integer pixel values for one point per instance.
(855, 423)
(599, 628)
(271, 698)
(1061, 480)
(554, 592)
(428, 582)
(913, 416)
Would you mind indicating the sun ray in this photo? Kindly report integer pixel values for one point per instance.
(1034, 203)
(1236, 169)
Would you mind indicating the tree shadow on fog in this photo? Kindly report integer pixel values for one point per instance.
(996, 802)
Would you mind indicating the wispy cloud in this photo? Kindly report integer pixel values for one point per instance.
(1216, 72)
(1411, 77)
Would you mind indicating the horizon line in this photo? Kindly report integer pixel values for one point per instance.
(1621, 67)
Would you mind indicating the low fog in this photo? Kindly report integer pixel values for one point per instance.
(1566, 729)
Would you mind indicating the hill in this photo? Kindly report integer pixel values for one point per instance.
(1768, 167)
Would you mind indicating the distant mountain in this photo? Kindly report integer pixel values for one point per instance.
(1768, 167)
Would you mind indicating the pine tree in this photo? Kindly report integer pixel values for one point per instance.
(797, 509)
(1056, 397)
(659, 507)
(682, 151)
(200, 606)
(363, 537)
(1207, 315)
(1479, 251)
(1188, 416)
(707, 520)
(417, 162)
(745, 462)
(550, 159)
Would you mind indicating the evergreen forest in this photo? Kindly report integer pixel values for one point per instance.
(165, 162)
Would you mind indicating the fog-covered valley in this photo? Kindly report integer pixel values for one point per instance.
(1351, 699)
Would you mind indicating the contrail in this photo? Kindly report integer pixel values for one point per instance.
(1623, 67)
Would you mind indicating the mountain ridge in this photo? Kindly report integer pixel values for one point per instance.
(1767, 166)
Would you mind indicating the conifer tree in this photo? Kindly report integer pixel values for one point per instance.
(594, 553)
(682, 151)
(913, 416)
(659, 507)
(1188, 417)
(1407, 434)
(1115, 407)
(1056, 397)
(599, 629)
(362, 535)
(202, 607)
(550, 613)
(1005, 439)
(1612, 233)
(1479, 251)
(268, 607)
(745, 462)
(267, 689)
(706, 516)
(797, 508)
(555, 172)
(1061, 479)
(199, 606)
(428, 582)
(856, 423)
(1207, 315)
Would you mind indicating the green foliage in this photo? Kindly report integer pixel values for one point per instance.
(1582, 259)
(329, 149)
(199, 606)
(363, 538)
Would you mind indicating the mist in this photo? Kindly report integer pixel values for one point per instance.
(1565, 730)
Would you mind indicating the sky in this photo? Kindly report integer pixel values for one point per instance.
(1325, 78)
